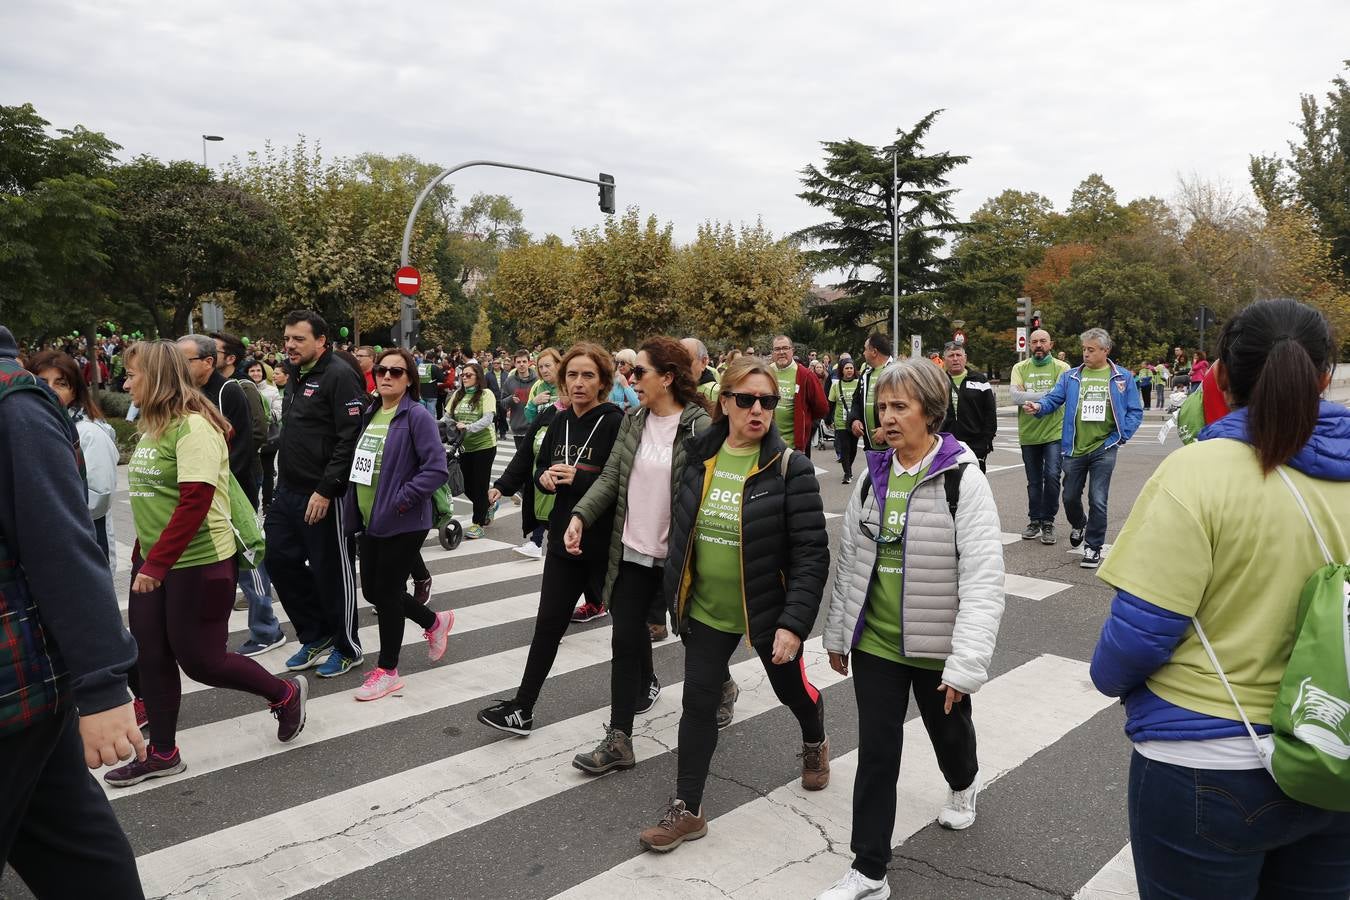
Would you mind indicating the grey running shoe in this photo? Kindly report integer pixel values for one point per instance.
(1032, 531)
(615, 751)
(1048, 535)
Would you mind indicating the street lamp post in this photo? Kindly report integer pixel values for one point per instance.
(895, 251)
(205, 138)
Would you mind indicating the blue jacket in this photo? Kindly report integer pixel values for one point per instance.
(412, 467)
(1139, 637)
(1126, 405)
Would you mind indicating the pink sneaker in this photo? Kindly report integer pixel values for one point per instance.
(439, 634)
(379, 683)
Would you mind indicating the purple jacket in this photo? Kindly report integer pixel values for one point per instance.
(412, 467)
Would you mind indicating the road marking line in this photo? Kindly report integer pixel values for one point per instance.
(1113, 881)
(1032, 588)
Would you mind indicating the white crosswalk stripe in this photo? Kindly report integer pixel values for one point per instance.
(391, 815)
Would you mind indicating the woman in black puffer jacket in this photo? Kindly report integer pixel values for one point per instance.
(748, 559)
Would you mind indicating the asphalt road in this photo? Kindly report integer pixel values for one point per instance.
(411, 797)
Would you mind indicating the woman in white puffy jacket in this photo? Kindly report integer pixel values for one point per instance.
(98, 441)
(915, 605)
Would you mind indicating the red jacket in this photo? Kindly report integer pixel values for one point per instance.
(808, 406)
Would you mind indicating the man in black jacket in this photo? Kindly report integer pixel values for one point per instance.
(64, 660)
(321, 422)
(862, 414)
(972, 415)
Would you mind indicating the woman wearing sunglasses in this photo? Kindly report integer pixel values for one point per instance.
(925, 509)
(748, 560)
(471, 410)
(571, 456)
(398, 465)
(637, 487)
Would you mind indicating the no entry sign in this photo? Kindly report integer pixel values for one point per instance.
(408, 280)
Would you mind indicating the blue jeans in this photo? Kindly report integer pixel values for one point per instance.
(1205, 833)
(262, 622)
(1093, 470)
(430, 405)
(1042, 463)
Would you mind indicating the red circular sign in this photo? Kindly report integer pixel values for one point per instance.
(408, 280)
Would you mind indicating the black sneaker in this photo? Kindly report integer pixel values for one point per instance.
(1048, 535)
(848, 479)
(1091, 558)
(647, 699)
(615, 751)
(508, 716)
(1076, 537)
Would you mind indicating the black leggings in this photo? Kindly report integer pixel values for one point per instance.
(848, 443)
(706, 654)
(386, 563)
(269, 476)
(882, 689)
(566, 578)
(630, 672)
(477, 468)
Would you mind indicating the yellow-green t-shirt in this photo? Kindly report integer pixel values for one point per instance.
(372, 439)
(841, 395)
(190, 450)
(543, 503)
(1096, 419)
(718, 595)
(787, 400)
(870, 407)
(881, 621)
(1211, 537)
(468, 412)
(1027, 376)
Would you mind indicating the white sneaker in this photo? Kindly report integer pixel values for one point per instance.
(530, 549)
(959, 812)
(856, 886)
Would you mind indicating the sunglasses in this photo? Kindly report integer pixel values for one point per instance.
(640, 372)
(396, 371)
(746, 401)
(882, 534)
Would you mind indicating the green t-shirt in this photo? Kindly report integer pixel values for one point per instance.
(1096, 420)
(881, 624)
(718, 595)
(1039, 379)
(957, 381)
(190, 450)
(787, 400)
(372, 440)
(1211, 537)
(543, 503)
(870, 407)
(424, 373)
(841, 395)
(468, 412)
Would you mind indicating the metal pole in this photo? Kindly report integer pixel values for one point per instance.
(204, 165)
(895, 251)
(410, 303)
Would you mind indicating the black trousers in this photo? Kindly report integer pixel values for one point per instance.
(269, 467)
(57, 828)
(566, 579)
(386, 563)
(882, 689)
(706, 654)
(477, 468)
(848, 452)
(320, 597)
(630, 670)
(1146, 394)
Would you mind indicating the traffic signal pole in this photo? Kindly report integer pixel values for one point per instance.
(606, 183)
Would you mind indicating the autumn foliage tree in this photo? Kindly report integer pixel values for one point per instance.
(623, 280)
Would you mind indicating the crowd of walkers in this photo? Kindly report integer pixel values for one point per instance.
(673, 492)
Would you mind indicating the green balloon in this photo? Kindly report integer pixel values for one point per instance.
(379, 349)
(343, 332)
(244, 341)
(124, 337)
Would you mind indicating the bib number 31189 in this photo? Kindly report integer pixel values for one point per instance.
(1094, 410)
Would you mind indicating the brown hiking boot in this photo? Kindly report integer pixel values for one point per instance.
(726, 709)
(815, 765)
(615, 751)
(677, 825)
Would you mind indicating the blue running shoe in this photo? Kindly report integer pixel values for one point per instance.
(309, 655)
(337, 664)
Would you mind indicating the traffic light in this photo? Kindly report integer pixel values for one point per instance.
(1035, 319)
(606, 193)
(1023, 310)
(396, 333)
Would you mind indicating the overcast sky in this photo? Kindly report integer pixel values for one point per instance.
(700, 110)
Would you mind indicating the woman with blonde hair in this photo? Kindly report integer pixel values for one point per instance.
(184, 565)
(544, 391)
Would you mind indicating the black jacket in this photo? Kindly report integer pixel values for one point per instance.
(566, 438)
(855, 409)
(518, 478)
(785, 552)
(228, 397)
(321, 422)
(972, 413)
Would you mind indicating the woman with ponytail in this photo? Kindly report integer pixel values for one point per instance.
(1218, 537)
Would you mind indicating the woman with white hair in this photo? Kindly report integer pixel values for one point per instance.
(923, 508)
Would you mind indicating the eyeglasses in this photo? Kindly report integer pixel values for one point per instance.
(196, 358)
(640, 372)
(395, 371)
(782, 349)
(746, 401)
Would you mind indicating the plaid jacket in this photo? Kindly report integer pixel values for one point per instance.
(33, 678)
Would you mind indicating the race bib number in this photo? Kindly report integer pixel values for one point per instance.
(363, 461)
(425, 371)
(1094, 410)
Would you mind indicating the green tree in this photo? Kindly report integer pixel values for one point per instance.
(535, 288)
(1094, 215)
(733, 286)
(622, 288)
(854, 186)
(1317, 172)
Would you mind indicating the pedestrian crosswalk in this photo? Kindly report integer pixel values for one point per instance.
(408, 796)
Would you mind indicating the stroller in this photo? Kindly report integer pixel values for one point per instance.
(448, 530)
